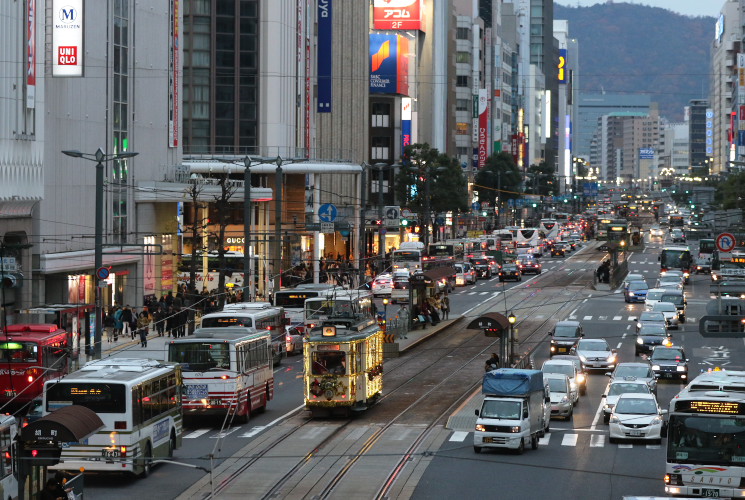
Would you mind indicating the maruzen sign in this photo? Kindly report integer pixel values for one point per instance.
(67, 37)
(398, 15)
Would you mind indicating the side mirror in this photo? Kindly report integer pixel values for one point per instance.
(604, 396)
(663, 412)
(476, 412)
(614, 351)
(608, 374)
(659, 258)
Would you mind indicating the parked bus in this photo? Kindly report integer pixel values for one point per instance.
(139, 402)
(347, 302)
(705, 442)
(233, 270)
(227, 371)
(30, 354)
(676, 257)
(256, 315)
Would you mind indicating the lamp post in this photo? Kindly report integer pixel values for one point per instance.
(385, 314)
(512, 319)
(99, 157)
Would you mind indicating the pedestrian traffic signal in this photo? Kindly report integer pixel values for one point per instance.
(41, 455)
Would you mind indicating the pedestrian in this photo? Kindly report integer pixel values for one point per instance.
(183, 319)
(127, 320)
(159, 319)
(492, 363)
(118, 323)
(445, 306)
(434, 310)
(171, 320)
(108, 325)
(143, 326)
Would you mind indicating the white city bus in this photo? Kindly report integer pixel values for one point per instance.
(256, 315)
(227, 371)
(293, 300)
(706, 437)
(139, 402)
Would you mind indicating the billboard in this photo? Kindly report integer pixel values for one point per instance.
(389, 64)
(709, 132)
(562, 75)
(406, 103)
(31, 54)
(174, 120)
(398, 15)
(646, 153)
(483, 124)
(324, 56)
(67, 37)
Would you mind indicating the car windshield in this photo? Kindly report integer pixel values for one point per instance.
(509, 267)
(676, 299)
(501, 409)
(665, 307)
(592, 346)
(479, 262)
(655, 295)
(557, 385)
(652, 316)
(562, 369)
(653, 329)
(667, 355)
(706, 440)
(638, 285)
(634, 277)
(636, 406)
(633, 371)
(567, 331)
(625, 387)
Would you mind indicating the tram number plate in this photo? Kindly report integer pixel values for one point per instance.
(196, 391)
(110, 453)
(709, 493)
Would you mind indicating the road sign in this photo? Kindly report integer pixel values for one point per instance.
(392, 216)
(9, 264)
(476, 206)
(327, 227)
(726, 242)
(327, 212)
(102, 273)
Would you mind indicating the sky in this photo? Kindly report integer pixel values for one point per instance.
(709, 8)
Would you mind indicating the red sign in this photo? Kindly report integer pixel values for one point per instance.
(483, 124)
(67, 56)
(398, 15)
(726, 242)
(31, 67)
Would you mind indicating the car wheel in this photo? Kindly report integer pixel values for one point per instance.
(477, 449)
(613, 440)
(636, 353)
(569, 417)
(534, 442)
(521, 448)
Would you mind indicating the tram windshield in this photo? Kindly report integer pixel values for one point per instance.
(329, 363)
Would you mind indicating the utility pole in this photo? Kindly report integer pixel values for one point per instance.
(278, 226)
(426, 208)
(248, 274)
(362, 263)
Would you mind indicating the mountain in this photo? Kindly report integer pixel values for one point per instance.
(627, 48)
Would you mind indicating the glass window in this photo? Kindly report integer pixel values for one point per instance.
(463, 33)
(463, 57)
(19, 352)
(101, 397)
(200, 356)
(324, 363)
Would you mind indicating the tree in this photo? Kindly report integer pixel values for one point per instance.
(730, 192)
(499, 175)
(193, 192)
(222, 205)
(543, 179)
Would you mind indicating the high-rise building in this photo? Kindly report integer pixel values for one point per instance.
(701, 144)
(724, 49)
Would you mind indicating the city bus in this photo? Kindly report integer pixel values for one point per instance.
(706, 247)
(407, 258)
(728, 266)
(139, 402)
(676, 257)
(227, 371)
(347, 302)
(233, 270)
(30, 355)
(705, 440)
(676, 220)
(293, 300)
(256, 315)
(444, 251)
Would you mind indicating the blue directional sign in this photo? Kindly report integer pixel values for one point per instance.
(327, 212)
(476, 205)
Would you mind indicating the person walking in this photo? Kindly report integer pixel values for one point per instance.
(492, 363)
(109, 323)
(127, 320)
(118, 323)
(445, 306)
(143, 326)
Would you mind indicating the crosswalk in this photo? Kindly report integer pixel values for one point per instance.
(689, 319)
(570, 440)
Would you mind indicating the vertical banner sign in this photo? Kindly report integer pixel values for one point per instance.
(324, 56)
(31, 54)
(307, 17)
(483, 124)
(562, 76)
(405, 122)
(173, 77)
(389, 64)
(67, 37)
(166, 264)
(398, 15)
(149, 266)
(709, 131)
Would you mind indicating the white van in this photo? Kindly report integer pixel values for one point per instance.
(400, 286)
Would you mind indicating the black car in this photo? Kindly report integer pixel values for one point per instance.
(669, 362)
(564, 336)
(557, 250)
(482, 268)
(649, 336)
(529, 266)
(510, 272)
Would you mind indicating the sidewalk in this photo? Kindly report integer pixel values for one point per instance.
(416, 337)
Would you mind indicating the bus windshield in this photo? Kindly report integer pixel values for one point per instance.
(406, 256)
(288, 299)
(97, 396)
(706, 246)
(675, 259)
(200, 356)
(19, 352)
(706, 440)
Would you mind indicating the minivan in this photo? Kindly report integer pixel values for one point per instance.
(677, 297)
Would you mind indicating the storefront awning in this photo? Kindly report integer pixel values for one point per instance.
(438, 273)
(70, 424)
(57, 308)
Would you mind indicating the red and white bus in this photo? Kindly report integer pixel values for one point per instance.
(226, 371)
(30, 354)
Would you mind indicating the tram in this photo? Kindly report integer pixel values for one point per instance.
(343, 366)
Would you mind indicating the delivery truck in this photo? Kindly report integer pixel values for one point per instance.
(515, 412)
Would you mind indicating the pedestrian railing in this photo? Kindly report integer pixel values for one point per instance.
(398, 324)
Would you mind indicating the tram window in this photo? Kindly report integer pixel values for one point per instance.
(324, 363)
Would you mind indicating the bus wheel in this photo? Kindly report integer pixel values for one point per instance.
(171, 444)
(147, 461)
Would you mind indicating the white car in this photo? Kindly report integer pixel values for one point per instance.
(560, 394)
(464, 274)
(618, 388)
(656, 231)
(636, 416)
(382, 285)
(670, 282)
(595, 354)
(568, 368)
(670, 312)
(653, 296)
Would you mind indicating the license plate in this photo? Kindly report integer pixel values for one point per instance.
(668, 375)
(215, 401)
(488, 440)
(110, 453)
(562, 349)
(709, 493)
(196, 391)
(595, 365)
(635, 433)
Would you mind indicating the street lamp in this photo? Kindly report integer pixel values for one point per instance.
(512, 320)
(385, 314)
(99, 157)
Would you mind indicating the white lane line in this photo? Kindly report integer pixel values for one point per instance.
(624, 335)
(619, 345)
(459, 436)
(587, 318)
(628, 327)
(617, 291)
(544, 440)
(569, 440)
(573, 312)
(631, 318)
(653, 446)
(602, 318)
(597, 440)
(599, 411)
(196, 433)
(584, 301)
(625, 445)
(254, 431)
(223, 434)
(616, 318)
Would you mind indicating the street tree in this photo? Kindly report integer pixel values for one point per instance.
(499, 175)
(542, 179)
(195, 227)
(222, 206)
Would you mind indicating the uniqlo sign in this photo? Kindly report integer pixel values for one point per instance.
(398, 15)
(67, 56)
(67, 37)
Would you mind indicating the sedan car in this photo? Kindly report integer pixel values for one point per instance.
(560, 394)
(510, 272)
(656, 231)
(482, 268)
(649, 336)
(636, 291)
(564, 336)
(653, 296)
(669, 362)
(567, 368)
(464, 274)
(595, 354)
(669, 283)
(558, 250)
(678, 236)
(640, 371)
(616, 389)
(529, 265)
(636, 416)
(382, 285)
(702, 265)
(581, 374)
(683, 276)
(670, 312)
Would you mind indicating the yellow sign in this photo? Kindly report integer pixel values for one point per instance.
(329, 331)
(715, 407)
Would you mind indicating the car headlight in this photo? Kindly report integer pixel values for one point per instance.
(553, 348)
(614, 419)
(480, 428)
(573, 385)
(564, 399)
(582, 358)
(580, 378)
(515, 429)
(655, 421)
(639, 340)
(655, 367)
(611, 358)
(680, 368)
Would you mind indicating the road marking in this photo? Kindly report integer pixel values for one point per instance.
(569, 440)
(616, 318)
(252, 432)
(573, 312)
(619, 345)
(539, 316)
(653, 446)
(196, 434)
(617, 291)
(459, 436)
(587, 318)
(628, 327)
(597, 440)
(223, 434)
(471, 293)
(544, 440)
(625, 445)
(599, 411)
(584, 301)
(602, 318)
(631, 318)
(624, 335)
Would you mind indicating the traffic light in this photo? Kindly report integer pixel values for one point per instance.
(41, 454)
(404, 222)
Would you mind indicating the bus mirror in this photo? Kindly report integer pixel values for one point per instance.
(659, 258)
